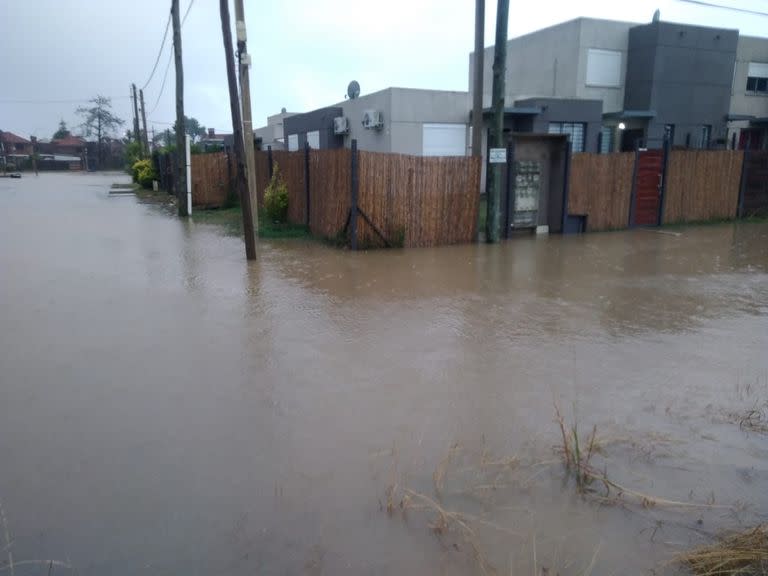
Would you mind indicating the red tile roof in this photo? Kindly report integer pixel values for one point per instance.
(11, 138)
(69, 141)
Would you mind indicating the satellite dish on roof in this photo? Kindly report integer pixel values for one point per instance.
(656, 15)
(353, 90)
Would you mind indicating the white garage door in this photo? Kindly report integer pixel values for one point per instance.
(445, 140)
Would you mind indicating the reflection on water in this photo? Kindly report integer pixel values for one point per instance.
(166, 407)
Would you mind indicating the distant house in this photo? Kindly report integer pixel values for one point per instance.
(273, 134)
(213, 141)
(109, 156)
(69, 146)
(396, 120)
(15, 147)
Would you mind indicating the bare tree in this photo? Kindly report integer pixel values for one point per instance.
(98, 119)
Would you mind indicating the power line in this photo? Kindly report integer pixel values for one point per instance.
(70, 101)
(184, 19)
(170, 56)
(731, 8)
(162, 86)
(159, 53)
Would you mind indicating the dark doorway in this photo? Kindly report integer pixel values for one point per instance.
(751, 138)
(630, 139)
(648, 187)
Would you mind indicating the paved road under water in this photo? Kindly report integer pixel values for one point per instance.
(167, 409)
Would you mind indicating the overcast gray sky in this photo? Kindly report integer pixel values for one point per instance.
(304, 51)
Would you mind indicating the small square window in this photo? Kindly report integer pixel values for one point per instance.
(757, 84)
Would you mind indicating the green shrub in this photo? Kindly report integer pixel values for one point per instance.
(132, 153)
(144, 173)
(276, 198)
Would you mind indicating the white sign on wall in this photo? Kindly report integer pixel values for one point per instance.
(498, 156)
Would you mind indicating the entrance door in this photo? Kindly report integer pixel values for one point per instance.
(527, 191)
(630, 138)
(648, 186)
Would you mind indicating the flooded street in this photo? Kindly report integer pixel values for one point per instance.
(166, 408)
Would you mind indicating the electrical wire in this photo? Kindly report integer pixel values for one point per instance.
(168, 66)
(731, 8)
(159, 53)
(71, 101)
(162, 86)
(184, 19)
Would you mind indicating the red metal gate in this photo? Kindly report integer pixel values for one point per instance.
(754, 201)
(648, 187)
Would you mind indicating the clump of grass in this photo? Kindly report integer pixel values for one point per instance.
(755, 419)
(231, 220)
(744, 553)
(462, 528)
(576, 455)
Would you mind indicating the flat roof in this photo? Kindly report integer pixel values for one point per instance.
(628, 114)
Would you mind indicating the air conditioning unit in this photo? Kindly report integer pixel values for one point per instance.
(373, 119)
(341, 125)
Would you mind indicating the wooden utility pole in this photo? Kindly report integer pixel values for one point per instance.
(136, 129)
(145, 140)
(477, 86)
(181, 159)
(245, 101)
(237, 136)
(493, 171)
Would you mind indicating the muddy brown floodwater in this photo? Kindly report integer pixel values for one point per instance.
(167, 409)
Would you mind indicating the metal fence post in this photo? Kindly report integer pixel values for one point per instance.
(667, 149)
(269, 161)
(743, 182)
(633, 191)
(566, 185)
(510, 203)
(306, 183)
(353, 204)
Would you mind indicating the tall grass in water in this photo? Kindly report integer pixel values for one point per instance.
(744, 553)
(576, 459)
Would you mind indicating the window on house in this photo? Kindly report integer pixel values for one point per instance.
(576, 132)
(705, 134)
(606, 139)
(293, 142)
(313, 138)
(603, 68)
(757, 78)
